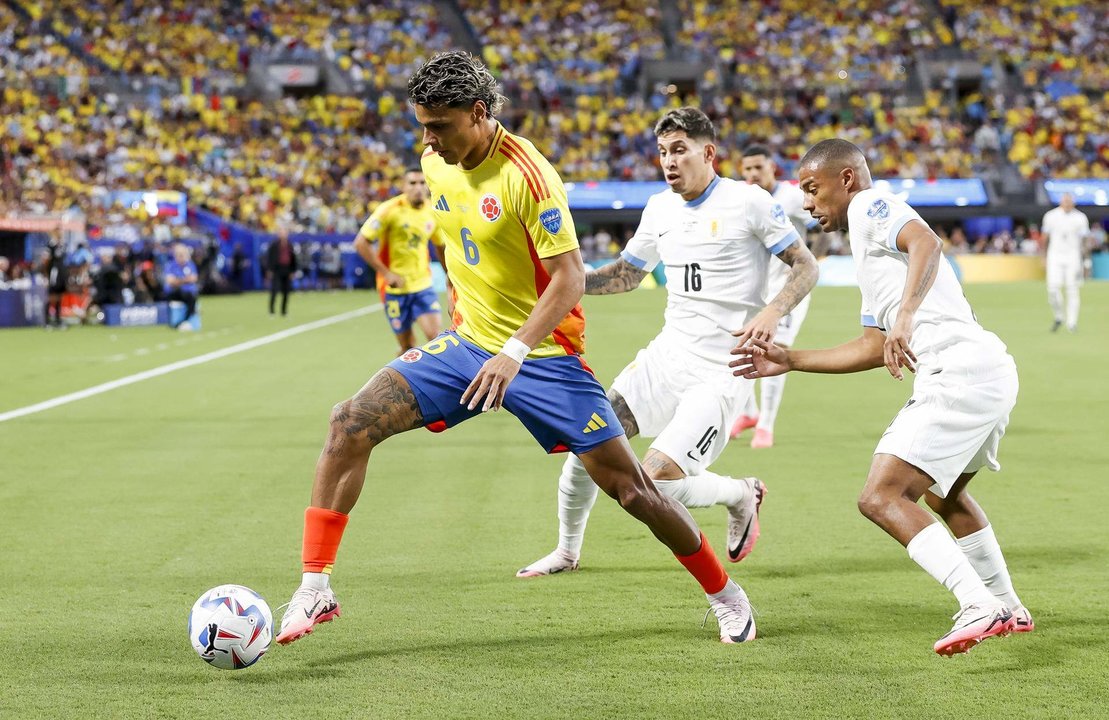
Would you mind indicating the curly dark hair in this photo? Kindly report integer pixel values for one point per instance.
(689, 120)
(455, 79)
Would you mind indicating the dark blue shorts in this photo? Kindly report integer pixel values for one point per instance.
(402, 310)
(557, 399)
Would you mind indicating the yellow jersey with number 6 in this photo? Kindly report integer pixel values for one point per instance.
(401, 233)
(497, 222)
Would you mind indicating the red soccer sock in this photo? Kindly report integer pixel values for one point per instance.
(323, 531)
(705, 567)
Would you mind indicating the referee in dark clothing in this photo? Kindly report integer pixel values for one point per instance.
(281, 264)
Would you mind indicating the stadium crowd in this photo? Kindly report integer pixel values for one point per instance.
(571, 69)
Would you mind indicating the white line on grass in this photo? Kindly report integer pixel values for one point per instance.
(182, 364)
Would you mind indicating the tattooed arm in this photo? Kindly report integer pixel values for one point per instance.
(618, 277)
(923, 247)
(803, 273)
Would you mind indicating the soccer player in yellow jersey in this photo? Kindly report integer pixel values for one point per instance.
(516, 342)
(394, 242)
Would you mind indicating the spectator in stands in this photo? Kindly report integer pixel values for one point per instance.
(181, 282)
(281, 265)
(4, 267)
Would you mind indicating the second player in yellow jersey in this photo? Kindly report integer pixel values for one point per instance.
(394, 242)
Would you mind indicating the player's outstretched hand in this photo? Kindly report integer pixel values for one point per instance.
(393, 280)
(896, 351)
(491, 383)
(762, 327)
(759, 358)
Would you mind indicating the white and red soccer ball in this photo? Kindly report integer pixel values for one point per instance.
(230, 627)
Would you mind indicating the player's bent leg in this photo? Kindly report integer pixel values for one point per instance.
(890, 500)
(406, 340)
(576, 494)
(975, 537)
(384, 407)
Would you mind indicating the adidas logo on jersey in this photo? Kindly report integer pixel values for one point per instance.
(595, 423)
(442, 204)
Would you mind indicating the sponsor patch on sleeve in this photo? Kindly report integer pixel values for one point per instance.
(552, 220)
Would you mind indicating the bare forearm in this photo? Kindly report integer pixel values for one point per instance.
(862, 353)
(369, 253)
(803, 274)
(617, 277)
(557, 300)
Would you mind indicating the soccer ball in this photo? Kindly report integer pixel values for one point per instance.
(230, 627)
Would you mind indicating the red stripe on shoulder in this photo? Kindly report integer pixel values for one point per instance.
(530, 162)
(523, 171)
(427, 151)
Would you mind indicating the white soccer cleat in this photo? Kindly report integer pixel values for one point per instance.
(558, 561)
(743, 520)
(973, 624)
(308, 608)
(1022, 620)
(735, 617)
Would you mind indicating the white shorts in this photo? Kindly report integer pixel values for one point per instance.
(683, 402)
(954, 421)
(1064, 272)
(790, 325)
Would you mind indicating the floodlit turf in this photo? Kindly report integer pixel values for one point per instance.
(119, 510)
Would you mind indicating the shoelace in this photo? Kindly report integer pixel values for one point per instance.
(310, 592)
(732, 613)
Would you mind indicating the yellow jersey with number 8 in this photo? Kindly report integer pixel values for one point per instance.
(402, 232)
(497, 222)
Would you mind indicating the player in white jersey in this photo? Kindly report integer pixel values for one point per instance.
(760, 169)
(715, 238)
(1066, 230)
(915, 316)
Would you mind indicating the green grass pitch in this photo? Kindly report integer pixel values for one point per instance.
(120, 509)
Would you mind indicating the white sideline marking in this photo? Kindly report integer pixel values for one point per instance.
(182, 364)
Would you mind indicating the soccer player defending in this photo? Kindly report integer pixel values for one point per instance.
(760, 169)
(513, 258)
(394, 242)
(914, 316)
(1066, 229)
(715, 238)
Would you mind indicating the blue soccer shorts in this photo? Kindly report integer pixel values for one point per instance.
(402, 310)
(557, 399)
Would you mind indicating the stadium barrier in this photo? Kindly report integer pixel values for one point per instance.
(1101, 266)
(23, 307)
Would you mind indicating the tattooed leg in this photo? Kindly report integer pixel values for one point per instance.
(623, 413)
(384, 407)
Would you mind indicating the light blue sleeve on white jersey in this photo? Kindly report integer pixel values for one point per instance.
(769, 222)
(642, 250)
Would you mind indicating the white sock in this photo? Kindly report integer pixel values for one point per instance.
(704, 489)
(1055, 299)
(731, 589)
(751, 409)
(576, 494)
(772, 389)
(984, 554)
(319, 581)
(935, 551)
(1072, 306)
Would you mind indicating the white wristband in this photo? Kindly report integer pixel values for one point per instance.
(515, 350)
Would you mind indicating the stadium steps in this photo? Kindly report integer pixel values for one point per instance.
(461, 30)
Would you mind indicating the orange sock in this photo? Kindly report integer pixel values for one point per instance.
(323, 531)
(705, 567)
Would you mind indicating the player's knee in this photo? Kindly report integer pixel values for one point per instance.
(346, 435)
(872, 504)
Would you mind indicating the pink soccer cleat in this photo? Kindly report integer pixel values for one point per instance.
(557, 561)
(1022, 620)
(973, 624)
(763, 439)
(743, 521)
(743, 422)
(308, 608)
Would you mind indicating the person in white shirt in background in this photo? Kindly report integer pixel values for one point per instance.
(760, 169)
(1066, 229)
(914, 316)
